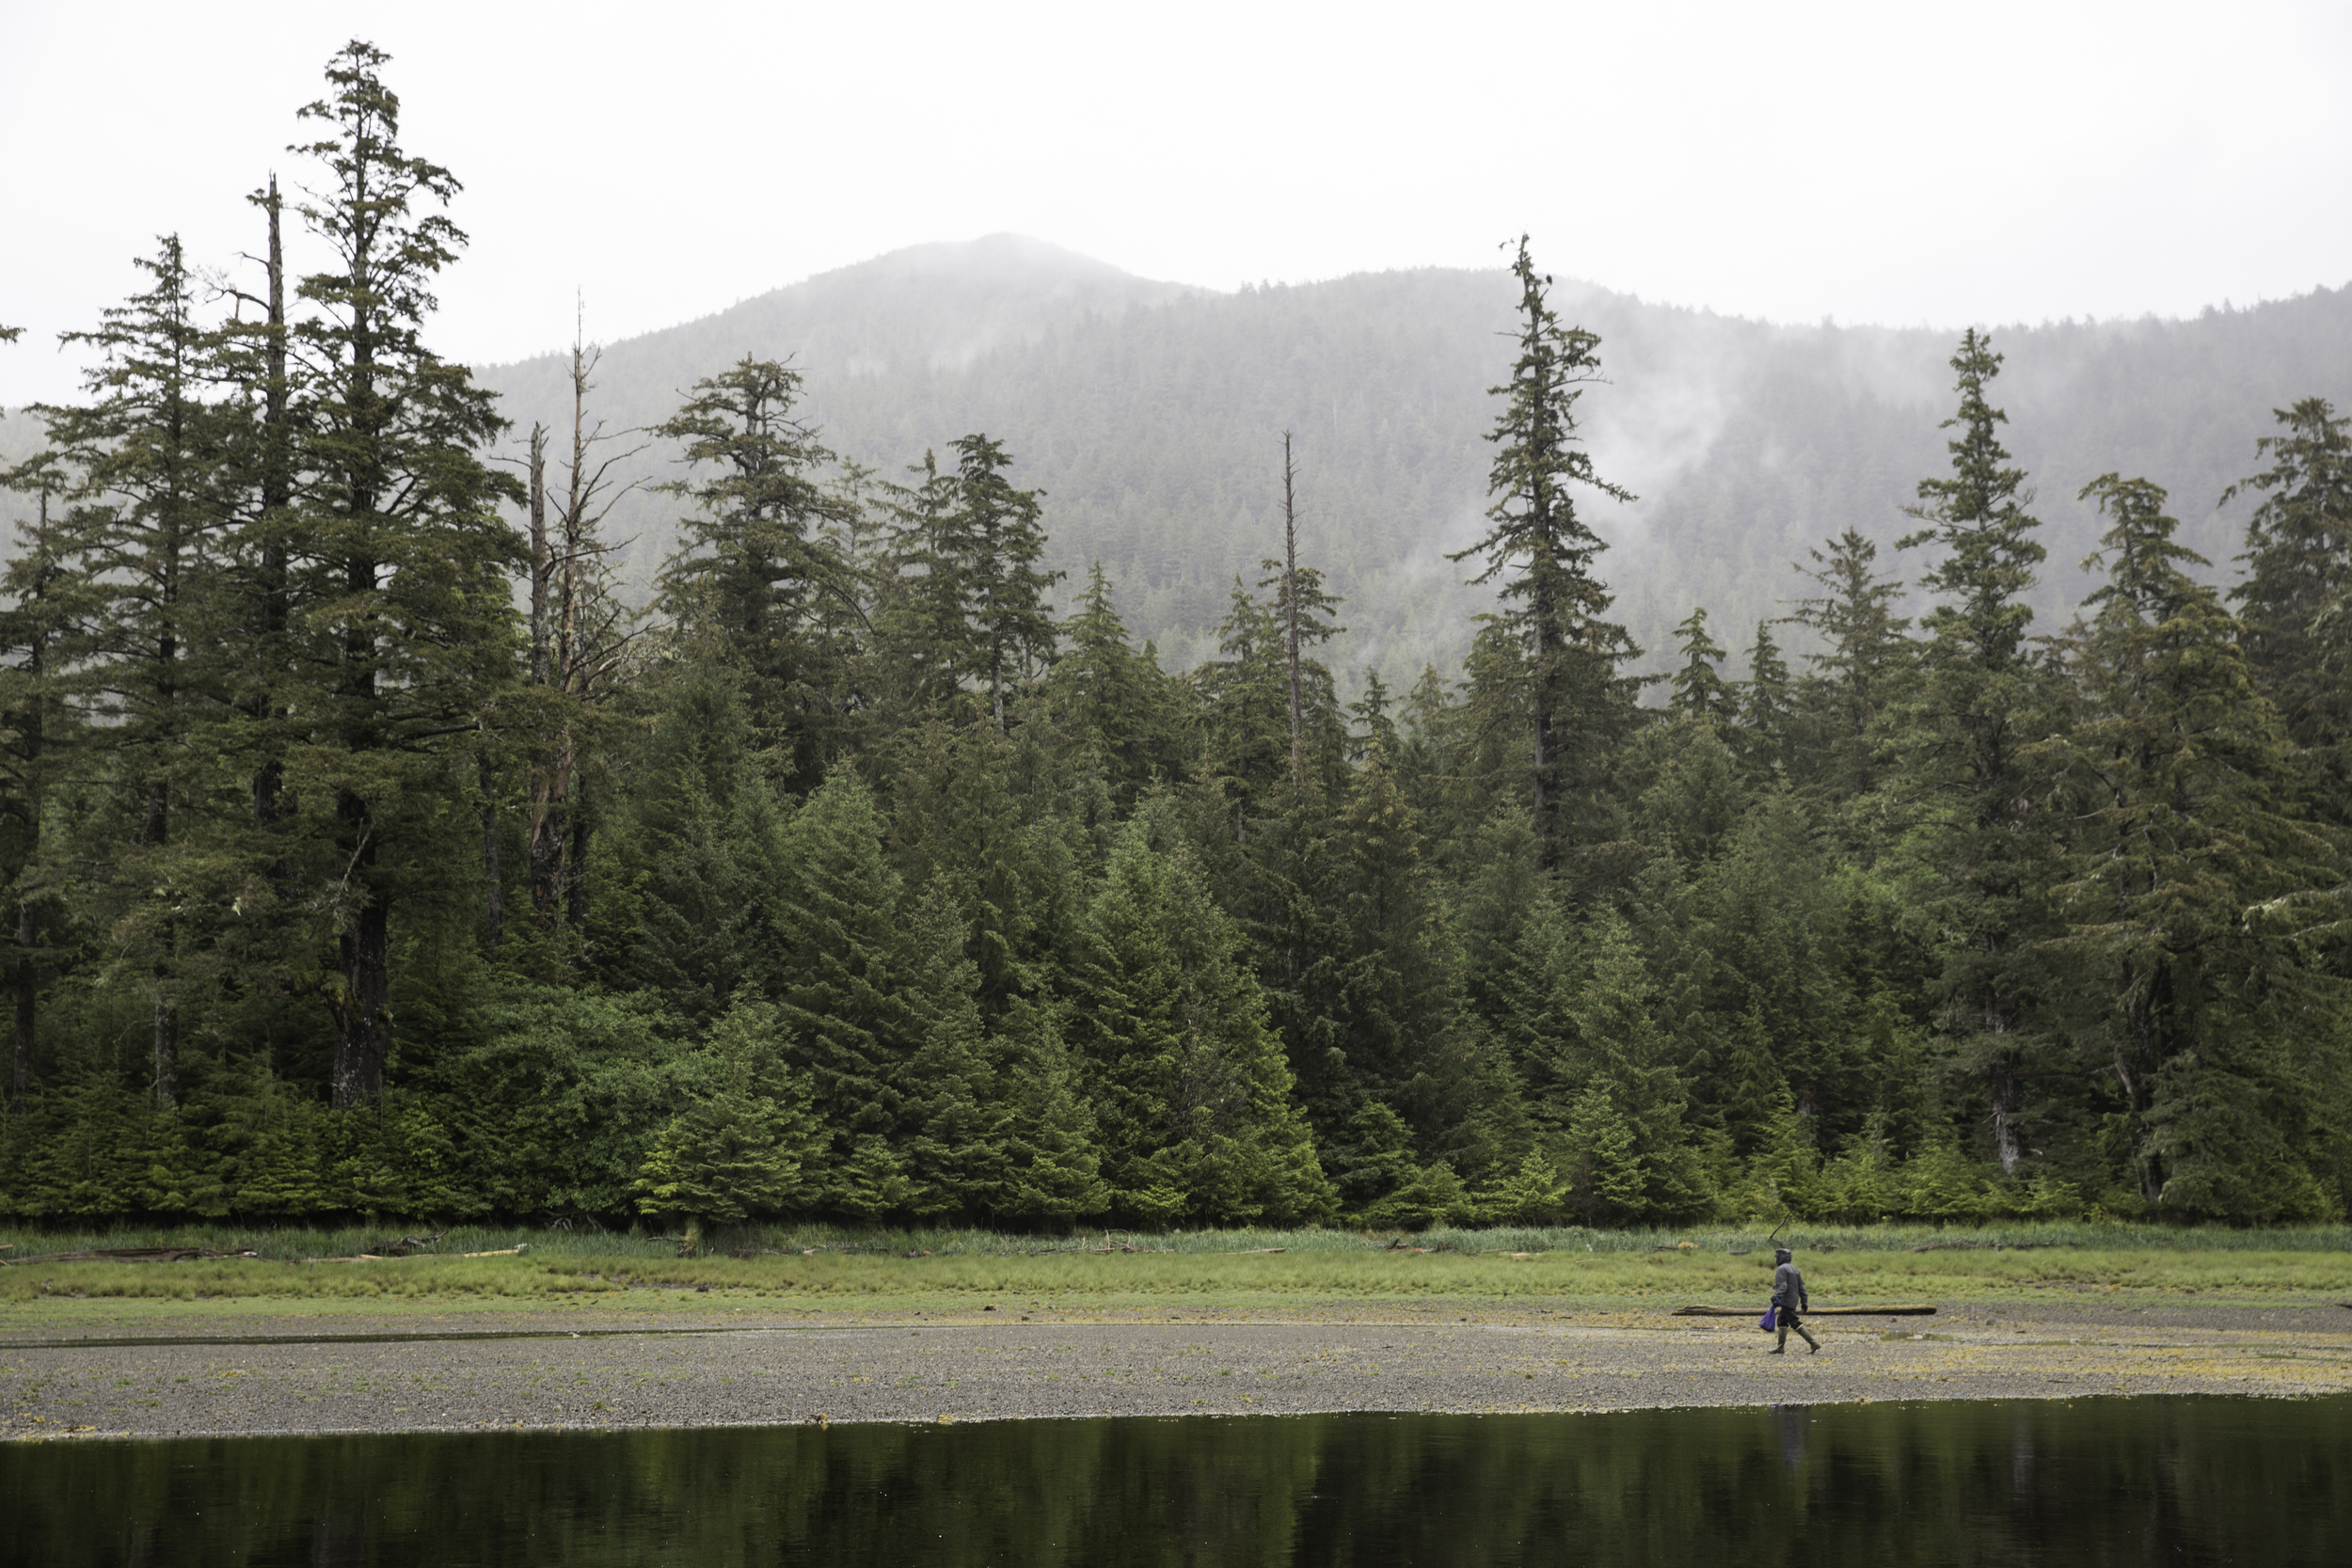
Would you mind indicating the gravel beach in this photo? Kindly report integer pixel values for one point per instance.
(483, 1371)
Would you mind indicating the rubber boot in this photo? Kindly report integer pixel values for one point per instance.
(1809, 1340)
(1781, 1349)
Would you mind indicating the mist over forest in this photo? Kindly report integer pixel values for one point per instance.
(1150, 414)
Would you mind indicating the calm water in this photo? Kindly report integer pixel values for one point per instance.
(2181, 1480)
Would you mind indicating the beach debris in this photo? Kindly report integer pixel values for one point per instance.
(1882, 1310)
(128, 1255)
(396, 1256)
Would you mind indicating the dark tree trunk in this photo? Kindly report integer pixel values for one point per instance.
(576, 885)
(166, 1033)
(2005, 1091)
(27, 1004)
(362, 1031)
(1290, 611)
(495, 901)
(269, 780)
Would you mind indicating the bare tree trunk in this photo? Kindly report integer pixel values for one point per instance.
(2004, 1090)
(539, 560)
(362, 1030)
(277, 495)
(544, 840)
(1290, 609)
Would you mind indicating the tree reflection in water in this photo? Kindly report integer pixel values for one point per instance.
(2091, 1481)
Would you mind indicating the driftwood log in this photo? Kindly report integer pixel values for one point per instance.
(1901, 1311)
(126, 1255)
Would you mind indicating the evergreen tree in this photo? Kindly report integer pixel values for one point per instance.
(1372, 729)
(742, 1147)
(2176, 765)
(146, 540)
(1193, 1096)
(49, 606)
(1766, 701)
(405, 615)
(697, 840)
(1637, 1160)
(996, 539)
(1555, 651)
(1861, 656)
(1770, 964)
(1055, 1166)
(1368, 1013)
(843, 991)
(1755, 1089)
(1982, 700)
(753, 560)
(958, 1121)
(1689, 790)
(1699, 690)
(1245, 714)
(2296, 598)
(1125, 716)
(1302, 611)
(919, 645)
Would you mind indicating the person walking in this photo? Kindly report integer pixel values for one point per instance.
(1788, 1297)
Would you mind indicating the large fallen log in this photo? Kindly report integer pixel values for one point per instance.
(404, 1257)
(1908, 1311)
(126, 1255)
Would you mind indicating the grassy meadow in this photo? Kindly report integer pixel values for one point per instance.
(826, 1270)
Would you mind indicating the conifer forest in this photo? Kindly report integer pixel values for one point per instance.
(370, 847)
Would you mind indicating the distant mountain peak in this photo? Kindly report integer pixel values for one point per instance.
(1004, 256)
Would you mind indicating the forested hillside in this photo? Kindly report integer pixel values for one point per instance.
(385, 831)
(1150, 418)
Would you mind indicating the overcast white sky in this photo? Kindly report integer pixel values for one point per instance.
(1882, 162)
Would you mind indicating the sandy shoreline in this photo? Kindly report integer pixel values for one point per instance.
(225, 1376)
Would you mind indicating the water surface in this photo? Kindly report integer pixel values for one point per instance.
(2092, 1482)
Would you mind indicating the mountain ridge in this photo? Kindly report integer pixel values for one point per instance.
(1151, 414)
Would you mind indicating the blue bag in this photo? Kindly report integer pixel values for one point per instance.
(1766, 1323)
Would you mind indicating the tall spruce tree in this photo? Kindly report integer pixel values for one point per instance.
(1981, 701)
(1631, 1153)
(753, 558)
(401, 575)
(994, 540)
(1861, 656)
(1698, 688)
(1766, 738)
(1245, 714)
(1125, 715)
(1193, 1098)
(2176, 766)
(50, 606)
(844, 979)
(2296, 598)
(919, 645)
(1555, 654)
(1372, 1006)
(150, 539)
